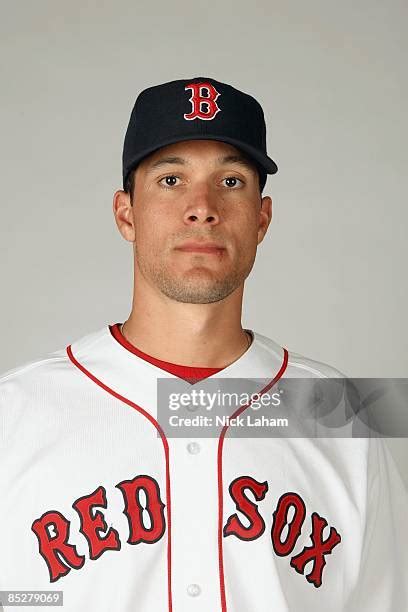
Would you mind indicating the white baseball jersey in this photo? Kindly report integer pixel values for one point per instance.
(96, 502)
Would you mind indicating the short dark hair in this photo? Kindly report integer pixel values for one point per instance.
(130, 181)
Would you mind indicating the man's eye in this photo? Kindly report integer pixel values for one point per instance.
(169, 181)
(232, 181)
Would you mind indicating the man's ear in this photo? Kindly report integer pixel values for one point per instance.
(265, 217)
(123, 211)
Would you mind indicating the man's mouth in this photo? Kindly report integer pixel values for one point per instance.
(202, 247)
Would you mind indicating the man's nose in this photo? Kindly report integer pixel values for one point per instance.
(202, 207)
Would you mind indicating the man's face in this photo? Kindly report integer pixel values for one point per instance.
(199, 191)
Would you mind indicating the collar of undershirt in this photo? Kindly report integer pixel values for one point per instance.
(188, 373)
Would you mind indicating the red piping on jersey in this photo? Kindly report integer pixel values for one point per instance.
(220, 482)
(166, 452)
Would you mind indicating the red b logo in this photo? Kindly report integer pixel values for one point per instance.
(204, 107)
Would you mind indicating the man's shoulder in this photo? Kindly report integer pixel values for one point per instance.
(24, 388)
(47, 370)
(32, 369)
(299, 365)
(313, 367)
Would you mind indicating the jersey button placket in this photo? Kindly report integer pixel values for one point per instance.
(195, 571)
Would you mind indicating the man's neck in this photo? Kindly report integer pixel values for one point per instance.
(200, 335)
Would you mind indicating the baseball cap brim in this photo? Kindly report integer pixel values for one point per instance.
(266, 163)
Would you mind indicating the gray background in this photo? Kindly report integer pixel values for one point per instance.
(330, 278)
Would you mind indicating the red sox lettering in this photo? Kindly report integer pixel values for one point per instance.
(256, 528)
(53, 528)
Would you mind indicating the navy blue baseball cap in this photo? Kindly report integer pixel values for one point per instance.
(200, 108)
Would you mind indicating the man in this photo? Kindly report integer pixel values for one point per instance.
(101, 502)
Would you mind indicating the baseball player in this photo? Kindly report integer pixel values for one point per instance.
(101, 508)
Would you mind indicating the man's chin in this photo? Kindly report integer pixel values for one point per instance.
(191, 292)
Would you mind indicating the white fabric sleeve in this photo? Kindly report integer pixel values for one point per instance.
(382, 585)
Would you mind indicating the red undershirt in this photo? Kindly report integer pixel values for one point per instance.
(189, 373)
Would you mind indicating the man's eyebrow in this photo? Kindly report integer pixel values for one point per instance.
(226, 159)
(162, 161)
(237, 159)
